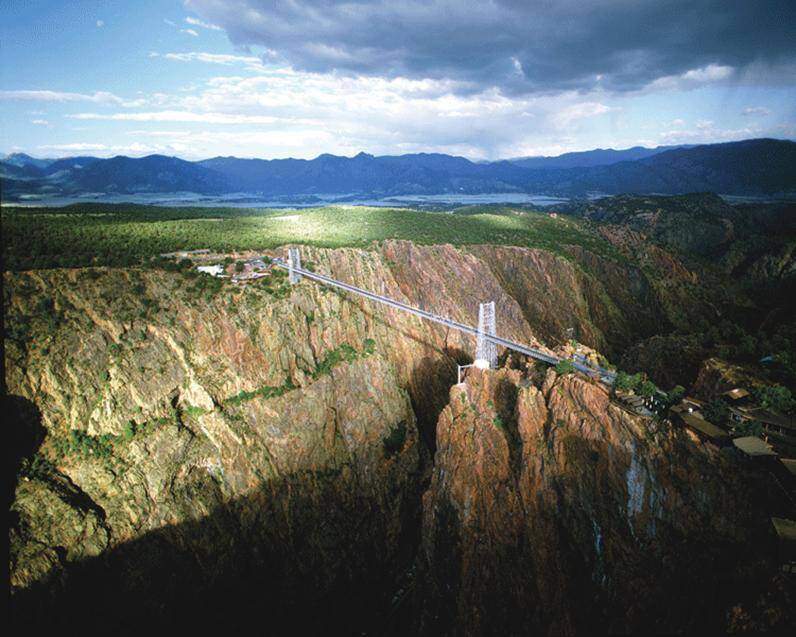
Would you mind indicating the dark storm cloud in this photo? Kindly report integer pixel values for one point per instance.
(519, 46)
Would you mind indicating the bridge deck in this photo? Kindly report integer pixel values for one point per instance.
(604, 374)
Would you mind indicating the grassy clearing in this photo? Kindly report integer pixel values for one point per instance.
(119, 235)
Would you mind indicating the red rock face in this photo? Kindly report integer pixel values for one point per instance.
(246, 461)
(553, 510)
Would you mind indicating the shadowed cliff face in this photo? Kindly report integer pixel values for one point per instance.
(268, 446)
(571, 515)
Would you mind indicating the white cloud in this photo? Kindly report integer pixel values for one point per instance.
(251, 62)
(39, 122)
(101, 149)
(578, 111)
(295, 113)
(187, 116)
(190, 32)
(100, 24)
(709, 73)
(198, 23)
(762, 111)
(694, 78)
(100, 97)
(707, 133)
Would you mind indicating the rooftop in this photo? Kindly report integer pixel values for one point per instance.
(737, 393)
(700, 425)
(767, 416)
(754, 446)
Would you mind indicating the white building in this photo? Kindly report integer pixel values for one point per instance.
(212, 270)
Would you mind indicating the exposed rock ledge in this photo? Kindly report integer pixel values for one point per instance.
(553, 510)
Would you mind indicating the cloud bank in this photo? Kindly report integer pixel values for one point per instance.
(517, 45)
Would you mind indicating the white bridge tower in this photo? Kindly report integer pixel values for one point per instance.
(294, 262)
(486, 351)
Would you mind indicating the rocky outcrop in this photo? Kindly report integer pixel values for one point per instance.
(553, 510)
(717, 376)
(668, 360)
(194, 442)
(195, 447)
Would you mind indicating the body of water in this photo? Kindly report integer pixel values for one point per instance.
(247, 200)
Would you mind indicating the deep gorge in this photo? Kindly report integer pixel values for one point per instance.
(301, 459)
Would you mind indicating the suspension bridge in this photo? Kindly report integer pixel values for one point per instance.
(487, 339)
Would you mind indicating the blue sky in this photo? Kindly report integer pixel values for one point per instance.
(294, 79)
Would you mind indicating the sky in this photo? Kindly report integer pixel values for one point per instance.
(486, 80)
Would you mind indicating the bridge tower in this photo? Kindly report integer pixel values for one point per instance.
(293, 262)
(486, 351)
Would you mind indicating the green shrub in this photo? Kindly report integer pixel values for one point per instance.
(749, 428)
(717, 412)
(565, 366)
(647, 389)
(342, 354)
(262, 392)
(193, 411)
(676, 394)
(627, 382)
(773, 397)
(129, 431)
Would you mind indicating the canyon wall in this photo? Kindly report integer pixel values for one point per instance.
(553, 510)
(266, 447)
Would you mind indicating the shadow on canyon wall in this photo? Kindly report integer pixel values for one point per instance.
(547, 567)
(23, 435)
(309, 555)
(292, 558)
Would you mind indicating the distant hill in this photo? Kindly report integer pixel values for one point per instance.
(154, 173)
(69, 163)
(751, 167)
(21, 160)
(387, 175)
(597, 157)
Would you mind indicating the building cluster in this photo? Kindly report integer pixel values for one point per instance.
(239, 272)
(253, 269)
(642, 405)
(774, 428)
(771, 451)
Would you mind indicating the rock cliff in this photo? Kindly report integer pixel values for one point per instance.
(553, 510)
(215, 450)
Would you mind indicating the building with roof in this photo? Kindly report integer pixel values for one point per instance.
(212, 270)
(253, 269)
(737, 396)
(777, 427)
(754, 447)
(690, 417)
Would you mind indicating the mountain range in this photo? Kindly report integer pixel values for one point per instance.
(754, 167)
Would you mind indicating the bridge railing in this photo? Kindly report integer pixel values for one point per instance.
(605, 375)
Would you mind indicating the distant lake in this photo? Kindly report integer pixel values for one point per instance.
(246, 200)
(249, 200)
